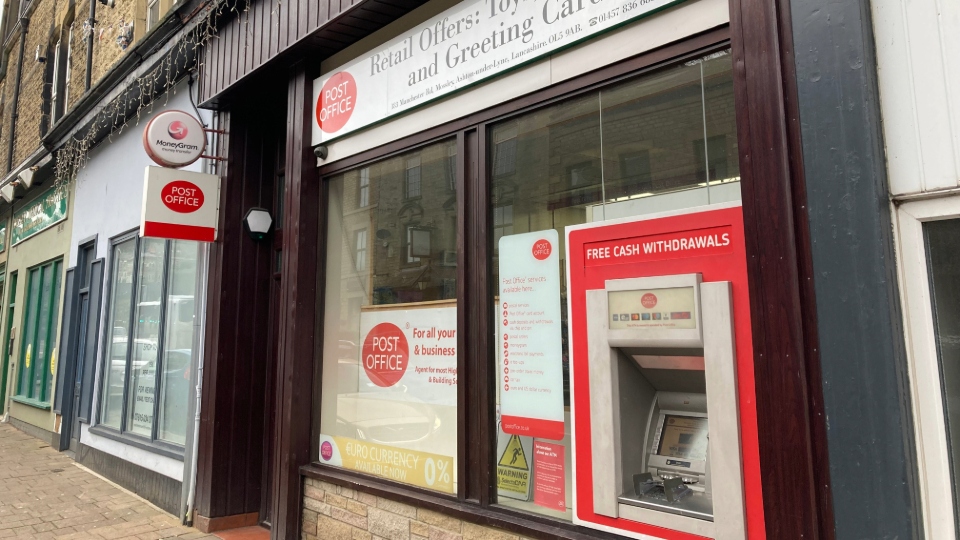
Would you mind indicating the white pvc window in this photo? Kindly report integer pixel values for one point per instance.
(928, 248)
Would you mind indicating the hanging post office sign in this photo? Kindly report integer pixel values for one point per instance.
(38, 216)
(180, 205)
(469, 43)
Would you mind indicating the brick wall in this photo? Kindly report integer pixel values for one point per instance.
(110, 23)
(30, 110)
(332, 512)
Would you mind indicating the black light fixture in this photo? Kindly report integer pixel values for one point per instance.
(258, 223)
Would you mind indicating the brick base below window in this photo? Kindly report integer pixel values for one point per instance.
(332, 512)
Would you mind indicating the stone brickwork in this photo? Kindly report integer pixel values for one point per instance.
(30, 111)
(332, 512)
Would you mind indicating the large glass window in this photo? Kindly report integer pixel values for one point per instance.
(390, 347)
(152, 311)
(658, 142)
(39, 334)
(662, 141)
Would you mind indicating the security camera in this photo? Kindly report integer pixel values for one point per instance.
(320, 152)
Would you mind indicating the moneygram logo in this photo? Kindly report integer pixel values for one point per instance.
(177, 130)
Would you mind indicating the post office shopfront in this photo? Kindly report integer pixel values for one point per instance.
(461, 198)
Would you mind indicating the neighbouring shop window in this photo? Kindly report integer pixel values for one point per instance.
(389, 365)
(631, 148)
(39, 332)
(150, 335)
(942, 240)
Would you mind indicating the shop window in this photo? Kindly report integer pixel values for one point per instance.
(411, 182)
(505, 150)
(360, 259)
(150, 334)
(363, 195)
(618, 152)
(389, 358)
(38, 340)
(712, 153)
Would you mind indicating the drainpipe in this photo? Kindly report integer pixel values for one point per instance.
(24, 23)
(92, 21)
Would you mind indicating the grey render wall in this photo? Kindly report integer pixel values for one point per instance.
(862, 354)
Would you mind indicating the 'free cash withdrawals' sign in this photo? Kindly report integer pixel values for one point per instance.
(468, 43)
(41, 214)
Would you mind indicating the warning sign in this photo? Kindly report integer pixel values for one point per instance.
(513, 467)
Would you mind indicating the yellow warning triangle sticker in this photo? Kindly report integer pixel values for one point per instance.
(513, 455)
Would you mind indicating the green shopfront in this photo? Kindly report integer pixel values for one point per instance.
(38, 243)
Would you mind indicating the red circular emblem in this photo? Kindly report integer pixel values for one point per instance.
(385, 354)
(182, 196)
(338, 98)
(648, 300)
(542, 249)
(177, 130)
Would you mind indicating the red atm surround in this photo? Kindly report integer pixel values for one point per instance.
(721, 259)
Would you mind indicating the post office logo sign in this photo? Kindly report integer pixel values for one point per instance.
(174, 139)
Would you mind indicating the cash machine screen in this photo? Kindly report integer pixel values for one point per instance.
(683, 437)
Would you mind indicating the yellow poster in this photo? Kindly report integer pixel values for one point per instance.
(431, 471)
(29, 354)
(53, 362)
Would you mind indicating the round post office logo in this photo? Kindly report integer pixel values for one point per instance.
(174, 139)
(336, 103)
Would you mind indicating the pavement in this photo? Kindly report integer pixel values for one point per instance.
(45, 494)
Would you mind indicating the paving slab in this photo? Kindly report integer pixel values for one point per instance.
(45, 494)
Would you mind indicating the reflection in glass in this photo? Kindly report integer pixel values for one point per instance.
(660, 142)
(146, 339)
(178, 336)
(943, 252)
(118, 332)
(391, 258)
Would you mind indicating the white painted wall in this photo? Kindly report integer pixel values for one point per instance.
(107, 203)
(109, 188)
(918, 60)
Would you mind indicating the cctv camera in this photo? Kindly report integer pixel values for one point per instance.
(320, 152)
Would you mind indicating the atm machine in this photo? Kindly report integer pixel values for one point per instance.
(664, 428)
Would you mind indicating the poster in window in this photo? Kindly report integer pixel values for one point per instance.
(408, 352)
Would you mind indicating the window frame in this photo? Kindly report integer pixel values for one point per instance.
(476, 444)
(45, 401)
(153, 443)
(923, 362)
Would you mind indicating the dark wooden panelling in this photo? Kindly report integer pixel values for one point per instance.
(303, 213)
(238, 350)
(311, 29)
(152, 486)
(792, 445)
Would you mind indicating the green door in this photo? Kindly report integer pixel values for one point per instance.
(6, 345)
(39, 334)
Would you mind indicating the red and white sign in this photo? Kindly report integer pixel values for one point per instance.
(410, 354)
(707, 241)
(531, 339)
(549, 476)
(174, 139)
(179, 205)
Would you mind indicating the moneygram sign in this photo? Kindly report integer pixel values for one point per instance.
(174, 139)
(469, 43)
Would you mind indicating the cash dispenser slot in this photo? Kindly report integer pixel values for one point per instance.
(664, 414)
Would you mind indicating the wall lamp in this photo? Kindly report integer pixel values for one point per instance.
(26, 177)
(258, 223)
(7, 192)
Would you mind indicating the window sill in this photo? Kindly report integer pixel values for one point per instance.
(501, 517)
(32, 402)
(157, 447)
